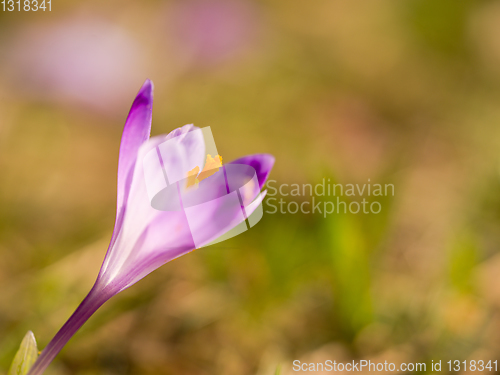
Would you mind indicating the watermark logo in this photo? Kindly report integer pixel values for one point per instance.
(326, 198)
(185, 173)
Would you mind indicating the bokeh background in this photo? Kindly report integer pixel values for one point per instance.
(401, 92)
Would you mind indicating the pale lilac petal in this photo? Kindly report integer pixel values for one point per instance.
(138, 211)
(165, 239)
(171, 160)
(180, 131)
(182, 151)
(154, 237)
(170, 236)
(216, 218)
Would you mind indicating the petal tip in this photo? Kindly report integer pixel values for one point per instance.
(147, 85)
(262, 163)
(145, 94)
(270, 159)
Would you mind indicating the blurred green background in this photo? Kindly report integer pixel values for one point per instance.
(401, 92)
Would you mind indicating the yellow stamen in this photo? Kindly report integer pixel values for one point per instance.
(212, 166)
(191, 176)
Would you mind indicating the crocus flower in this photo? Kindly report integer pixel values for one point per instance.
(218, 29)
(80, 60)
(144, 237)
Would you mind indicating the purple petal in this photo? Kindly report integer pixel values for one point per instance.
(262, 163)
(136, 131)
